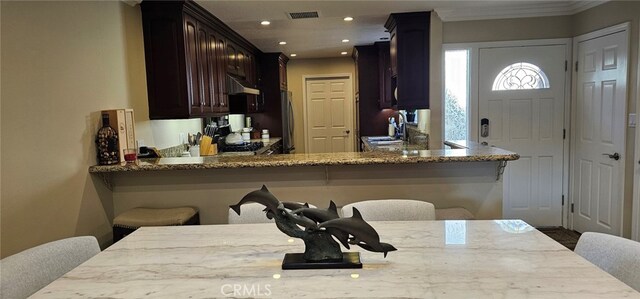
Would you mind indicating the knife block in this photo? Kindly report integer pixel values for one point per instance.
(207, 147)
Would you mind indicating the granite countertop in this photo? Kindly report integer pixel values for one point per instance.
(473, 154)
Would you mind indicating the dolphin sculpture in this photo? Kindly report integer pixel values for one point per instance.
(294, 205)
(263, 197)
(287, 204)
(366, 236)
(320, 215)
(298, 219)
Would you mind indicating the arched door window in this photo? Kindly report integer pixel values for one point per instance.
(521, 75)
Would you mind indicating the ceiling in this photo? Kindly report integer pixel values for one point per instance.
(322, 36)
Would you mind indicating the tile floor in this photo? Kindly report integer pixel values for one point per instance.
(564, 236)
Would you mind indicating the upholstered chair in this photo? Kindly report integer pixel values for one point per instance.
(392, 210)
(24, 273)
(618, 256)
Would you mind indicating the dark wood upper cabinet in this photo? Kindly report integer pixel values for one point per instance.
(240, 63)
(188, 54)
(409, 55)
(370, 92)
(194, 71)
(273, 70)
(393, 54)
(385, 97)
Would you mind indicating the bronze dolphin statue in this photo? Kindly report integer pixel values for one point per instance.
(366, 235)
(262, 196)
(320, 215)
(297, 219)
(294, 205)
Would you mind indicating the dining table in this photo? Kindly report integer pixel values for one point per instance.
(434, 259)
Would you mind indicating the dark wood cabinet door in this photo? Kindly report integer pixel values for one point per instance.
(213, 70)
(193, 78)
(409, 52)
(393, 53)
(249, 70)
(241, 60)
(222, 100)
(253, 106)
(205, 74)
(385, 99)
(232, 58)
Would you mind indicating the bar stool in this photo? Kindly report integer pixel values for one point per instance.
(128, 221)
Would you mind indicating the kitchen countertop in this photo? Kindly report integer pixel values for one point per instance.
(475, 153)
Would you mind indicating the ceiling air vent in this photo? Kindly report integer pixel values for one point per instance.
(303, 15)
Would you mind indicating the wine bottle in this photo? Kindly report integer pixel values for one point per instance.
(107, 143)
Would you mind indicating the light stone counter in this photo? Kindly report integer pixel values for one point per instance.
(435, 259)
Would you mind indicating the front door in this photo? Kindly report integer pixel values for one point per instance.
(597, 167)
(329, 105)
(521, 101)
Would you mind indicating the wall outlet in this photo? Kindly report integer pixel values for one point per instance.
(632, 120)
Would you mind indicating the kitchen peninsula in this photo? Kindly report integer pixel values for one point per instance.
(467, 177)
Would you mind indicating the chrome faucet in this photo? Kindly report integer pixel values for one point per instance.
(404, 124)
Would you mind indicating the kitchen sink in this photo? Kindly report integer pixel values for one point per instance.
(387, 142)
(380, 138)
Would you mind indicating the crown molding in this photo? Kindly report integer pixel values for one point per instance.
(516, 10)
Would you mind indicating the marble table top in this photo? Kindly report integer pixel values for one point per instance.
(435, 259)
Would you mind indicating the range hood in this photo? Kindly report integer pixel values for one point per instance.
(239, 86)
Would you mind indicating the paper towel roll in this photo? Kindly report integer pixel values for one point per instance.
(424, 117)
(237, 122)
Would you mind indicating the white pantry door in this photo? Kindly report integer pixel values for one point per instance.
(599, 140)
(329, 104)
(522, 95)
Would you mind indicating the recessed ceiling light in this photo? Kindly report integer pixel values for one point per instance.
(345, 40)
(348, 19)
(294, 54)
(282, 43)
(343, 53)
(265, 23)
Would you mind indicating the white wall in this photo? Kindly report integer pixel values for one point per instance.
(63, 62)
(471, 185)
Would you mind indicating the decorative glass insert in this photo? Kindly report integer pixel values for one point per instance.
(521, 75)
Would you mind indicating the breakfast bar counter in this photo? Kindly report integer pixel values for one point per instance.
(468, 177)
(477, 153)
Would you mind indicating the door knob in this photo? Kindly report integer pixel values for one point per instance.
(614, 156)
(347, 131)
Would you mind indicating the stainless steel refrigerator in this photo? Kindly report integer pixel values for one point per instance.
(287, 122)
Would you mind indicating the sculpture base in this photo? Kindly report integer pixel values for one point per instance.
(296, 261)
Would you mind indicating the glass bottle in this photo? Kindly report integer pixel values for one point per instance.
(107, 143)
